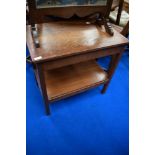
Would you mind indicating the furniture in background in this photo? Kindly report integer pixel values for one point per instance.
(94, 11)
(65, 60)
(123, 30)
(119, 16)
(120, 12)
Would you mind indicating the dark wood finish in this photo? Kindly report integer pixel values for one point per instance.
(81, 38)
(72, 79)
(39, 15)
(80, 58)
(62, 47)
(42, 15)
(120, 8)
(122, 5)
(113, 64)
(123, 30)
(42, 84)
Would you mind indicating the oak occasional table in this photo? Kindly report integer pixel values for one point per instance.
(65, 63)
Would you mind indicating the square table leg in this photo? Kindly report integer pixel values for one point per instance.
(112, 67)
(43, 87)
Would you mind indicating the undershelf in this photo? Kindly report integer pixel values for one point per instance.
(69, 80)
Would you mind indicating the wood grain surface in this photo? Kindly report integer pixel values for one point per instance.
(72, 79)
(62, 39)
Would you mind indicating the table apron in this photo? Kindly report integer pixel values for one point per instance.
(80, 58)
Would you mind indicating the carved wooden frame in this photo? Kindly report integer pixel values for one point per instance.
(42, 15)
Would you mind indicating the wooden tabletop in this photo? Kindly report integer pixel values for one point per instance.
(62, 39)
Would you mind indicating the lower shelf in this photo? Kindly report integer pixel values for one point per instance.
(69, 80)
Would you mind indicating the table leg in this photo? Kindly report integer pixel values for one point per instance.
(43, 88)
(112, 66)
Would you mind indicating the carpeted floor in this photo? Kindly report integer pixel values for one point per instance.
(86, 124)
